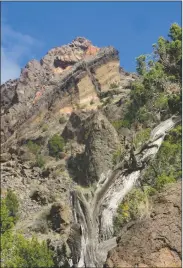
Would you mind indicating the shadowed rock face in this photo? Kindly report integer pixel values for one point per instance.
(60, 217)
(101, 142)
(8, 95)
(74, 128)
(153, 242)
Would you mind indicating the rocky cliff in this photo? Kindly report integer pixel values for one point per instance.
(68, 155)
(60, 94)
(67, 77)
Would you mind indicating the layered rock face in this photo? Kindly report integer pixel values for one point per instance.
(67, 77)
(155, 241)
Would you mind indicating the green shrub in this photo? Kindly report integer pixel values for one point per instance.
(62, 120)
(12, 204)
(143, 115)
(148, 94)
(175, 103)
(142, 136)
(33, 147)
(117, 156)
(56, 145)
(161, 102)
(141, 64)
(138, 94)
(120, 123)
(175, 135)
(149, 190)
(149, 90)
(122, 217)
(117, 124)
(154, 80)
(40, 162)
(16, 251)
(168, 159)
(113, 85)
(6, 220)
(162, 180)
(134, 205)
(166, 166)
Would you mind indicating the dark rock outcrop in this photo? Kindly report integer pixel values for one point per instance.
(8, 95)
(101, 142)
(74, 130)
(59, 217)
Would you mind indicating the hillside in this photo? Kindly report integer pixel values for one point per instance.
(85, 148)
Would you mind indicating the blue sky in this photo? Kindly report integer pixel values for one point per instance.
(30, 29)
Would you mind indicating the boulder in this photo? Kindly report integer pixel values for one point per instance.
(60, 217)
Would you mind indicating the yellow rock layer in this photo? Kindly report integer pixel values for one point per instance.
(87, 90)
(108, 74)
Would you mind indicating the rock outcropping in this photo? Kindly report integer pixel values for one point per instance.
(155, 241)
(67, 77)
(101, 143)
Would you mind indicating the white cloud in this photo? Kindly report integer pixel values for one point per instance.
(15, 49)
(10, 68)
